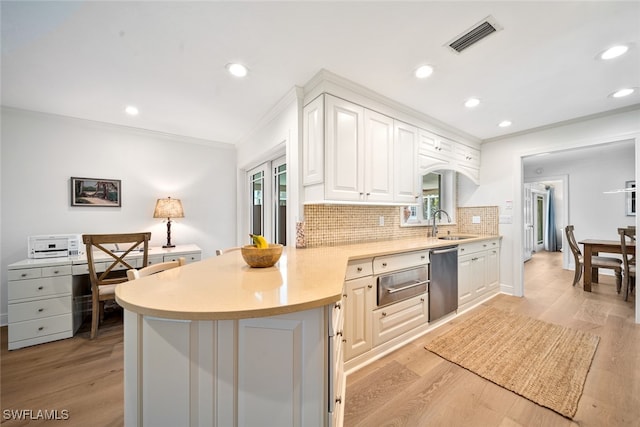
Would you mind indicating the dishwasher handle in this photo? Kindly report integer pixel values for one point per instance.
(444, 251)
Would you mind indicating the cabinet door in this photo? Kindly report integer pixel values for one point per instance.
(465, 279)
(357, 316)
(379, 155)
(433, 151)
(313, 142)
(345, 150)
(493, 269)
(479, 271)
(468, 160)
(406, 176)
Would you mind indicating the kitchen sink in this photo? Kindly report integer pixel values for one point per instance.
(455, 237)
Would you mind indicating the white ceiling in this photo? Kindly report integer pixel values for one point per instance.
(91, 59)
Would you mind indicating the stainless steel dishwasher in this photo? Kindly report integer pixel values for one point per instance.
(443, 286)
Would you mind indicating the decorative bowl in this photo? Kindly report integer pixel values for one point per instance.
(261, 258)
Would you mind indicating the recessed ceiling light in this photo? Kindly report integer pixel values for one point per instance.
(131, 110)
(424, 71)
(623, 92)
(614, 52)
(504, 123)
(237, 70)
(472, 102)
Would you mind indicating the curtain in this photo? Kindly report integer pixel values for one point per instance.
(552, 240)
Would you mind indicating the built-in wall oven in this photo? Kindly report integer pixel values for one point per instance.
(401, 285)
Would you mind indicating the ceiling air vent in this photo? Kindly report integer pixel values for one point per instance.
(479, 31)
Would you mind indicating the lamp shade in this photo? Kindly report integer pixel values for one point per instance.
(168, 208)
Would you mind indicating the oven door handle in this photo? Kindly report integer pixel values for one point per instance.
(409, 286)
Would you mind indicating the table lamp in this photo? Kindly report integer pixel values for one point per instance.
(168, 208)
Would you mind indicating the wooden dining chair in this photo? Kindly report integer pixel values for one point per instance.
(105, 273)
(611, 263)
(627, 236)
(134, 274)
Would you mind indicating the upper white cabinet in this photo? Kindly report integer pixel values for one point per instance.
(344, 150)
(405, 149)
(313, 142)
(354, 154)
(436, 152)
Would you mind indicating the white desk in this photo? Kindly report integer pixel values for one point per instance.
(47, 298)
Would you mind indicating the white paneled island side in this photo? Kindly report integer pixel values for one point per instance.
(217, 343)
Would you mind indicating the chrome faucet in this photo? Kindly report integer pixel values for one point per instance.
(434, 230)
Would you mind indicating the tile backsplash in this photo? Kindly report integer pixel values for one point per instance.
(330, 225)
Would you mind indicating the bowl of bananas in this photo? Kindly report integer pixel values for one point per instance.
(262, 253)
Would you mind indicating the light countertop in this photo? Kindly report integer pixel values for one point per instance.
(225, 287)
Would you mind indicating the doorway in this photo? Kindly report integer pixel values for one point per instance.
(268, 200)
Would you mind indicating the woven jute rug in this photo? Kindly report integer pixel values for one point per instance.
(546, 363)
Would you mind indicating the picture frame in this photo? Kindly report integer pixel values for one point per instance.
(96, 192)
(630, 202)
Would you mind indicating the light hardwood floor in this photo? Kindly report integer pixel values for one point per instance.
(414, 387)
(410, 387)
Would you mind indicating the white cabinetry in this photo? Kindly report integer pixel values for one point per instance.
(283, 370)
(437, 152)
(337, 384)
(405, 165)
(345, 150)
(40, 305)
(396, 319)
(359, 303)
(354, 154)
(478, 270)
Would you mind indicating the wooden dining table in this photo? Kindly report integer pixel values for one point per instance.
(594, 247)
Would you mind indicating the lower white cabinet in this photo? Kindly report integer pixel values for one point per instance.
(359, 302)
(396, 319)
(40, 305)
(283, 370)
(478, 270)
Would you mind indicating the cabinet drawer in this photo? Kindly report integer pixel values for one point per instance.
(394, 320)
(25, 274)
(156, 259)
(484, 245)
(40, 327)
(19, 312)
(359, 268)
(39, 288)
(61, 270)
(188, 257)
(401, 261)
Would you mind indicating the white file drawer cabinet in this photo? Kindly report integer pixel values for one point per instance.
(39, 305)
(189, 257)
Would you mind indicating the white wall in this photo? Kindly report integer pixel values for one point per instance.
(277, 134)
(501, 179)
(41, 152)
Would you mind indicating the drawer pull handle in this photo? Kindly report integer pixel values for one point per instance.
(369, 286)
(339, 333)
(344, 340)
(40, 288)
(41, 328)
(384, 264)
(338, 305)
(56, 271)
(421, 299)
(384, 313)
(40, 310)
(339, 399)
(23, 275)
(359, 269)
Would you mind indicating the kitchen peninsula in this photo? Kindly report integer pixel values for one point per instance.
(219, 343)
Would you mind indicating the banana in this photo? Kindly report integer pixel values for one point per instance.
(259, 241)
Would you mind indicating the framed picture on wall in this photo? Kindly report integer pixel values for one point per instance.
(630, 189)
(98, 192)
